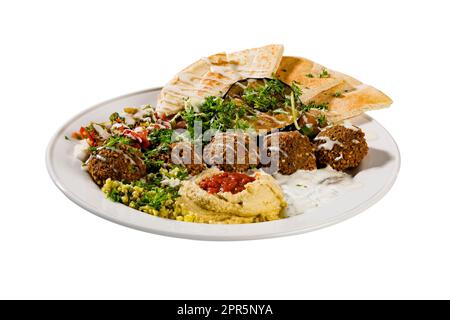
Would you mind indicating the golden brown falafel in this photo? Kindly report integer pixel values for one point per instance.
(341, 147)
(295, 152)
(193, 163)
(232, 152)
(121, 163)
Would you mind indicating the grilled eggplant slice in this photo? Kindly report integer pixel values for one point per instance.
(268, 103)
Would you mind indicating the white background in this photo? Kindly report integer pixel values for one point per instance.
(58, 58)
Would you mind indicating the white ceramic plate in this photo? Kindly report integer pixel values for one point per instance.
(376, 175)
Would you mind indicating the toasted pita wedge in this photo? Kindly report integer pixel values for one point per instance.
(346, 97)
(213, 76)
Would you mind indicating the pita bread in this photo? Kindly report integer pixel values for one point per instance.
(213, 76)
(346, 97)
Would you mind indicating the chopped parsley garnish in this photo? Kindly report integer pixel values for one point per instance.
(264, 98)
(337, 94)
(159, 196)
(160, 141)
(114, 195)
(67, 138)
(161, 138)
(322, 120)
(313, 105)
(309, 75)
(156, 198)
(216, 114)
(149, 192)
(116, 139)
(324, 73)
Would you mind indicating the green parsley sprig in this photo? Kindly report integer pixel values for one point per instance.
(217, 114)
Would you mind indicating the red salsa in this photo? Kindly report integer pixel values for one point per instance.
(226, 182)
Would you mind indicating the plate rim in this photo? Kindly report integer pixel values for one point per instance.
(332, 221)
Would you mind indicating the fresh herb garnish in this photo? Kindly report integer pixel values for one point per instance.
(150, 193)
(161, 138)
(322, 120)
(216, 114)
(67, 138)
(309, 75)
(324, 73)
(264, 98)
(116, 139)
(313, 105)
(160, 141)
(337, 94)
(114, 195)
(159, 195)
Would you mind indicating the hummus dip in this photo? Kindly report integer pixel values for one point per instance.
(261, 200)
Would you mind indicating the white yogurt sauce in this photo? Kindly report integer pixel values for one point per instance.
(81, 150)
(305, 190)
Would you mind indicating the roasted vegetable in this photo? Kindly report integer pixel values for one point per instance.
(272, 104)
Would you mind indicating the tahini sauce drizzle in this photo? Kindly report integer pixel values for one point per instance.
(328, 144)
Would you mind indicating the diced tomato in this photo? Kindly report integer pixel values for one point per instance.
(131, 134)
(84, 133)
(90, 138)
(233, 182)
(141, 137)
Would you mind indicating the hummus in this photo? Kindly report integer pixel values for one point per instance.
(261, 200)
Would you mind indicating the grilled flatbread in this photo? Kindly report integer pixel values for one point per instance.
(213, 76)
(346, 97)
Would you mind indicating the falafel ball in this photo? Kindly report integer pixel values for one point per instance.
(295, 152)
(342, 147)
(193, 163)
(121, 163)
(232, 152)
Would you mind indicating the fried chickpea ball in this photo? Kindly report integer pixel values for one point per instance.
(180, 155)
(295, 152)
(232, 152)
(341, 147)
(121, 163)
